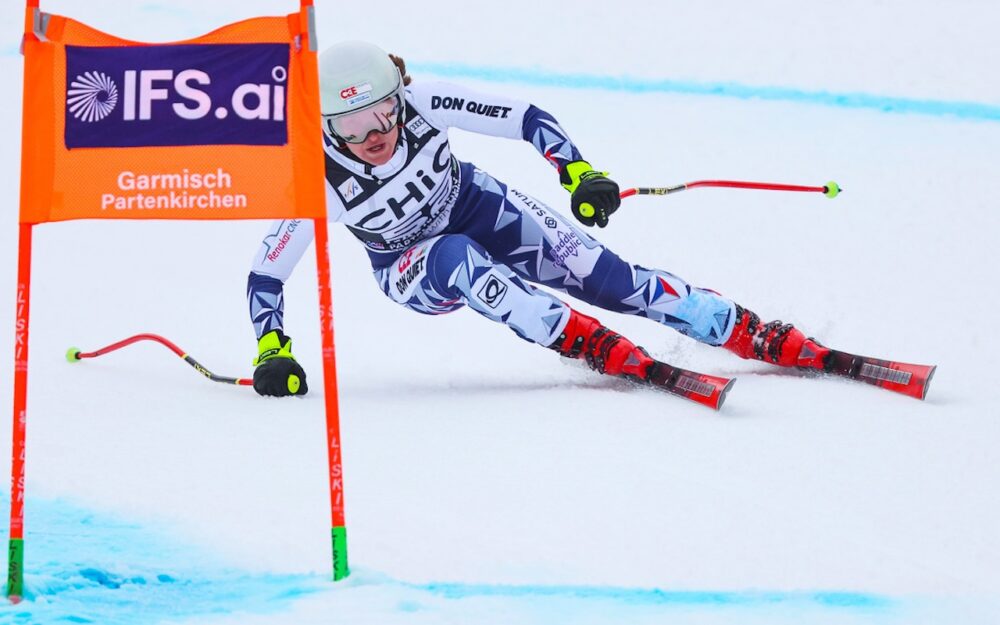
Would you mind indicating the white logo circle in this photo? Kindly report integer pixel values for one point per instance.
(92, 96)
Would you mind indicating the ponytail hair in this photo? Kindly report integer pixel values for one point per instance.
(401, 66)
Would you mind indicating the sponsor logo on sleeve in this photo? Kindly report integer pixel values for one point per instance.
(276, 242)
(449, 103)
(174, 95)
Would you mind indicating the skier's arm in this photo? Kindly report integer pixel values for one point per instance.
(594, 195)
(446, 105)
(282, 248)
(276, 371)
(280, 251)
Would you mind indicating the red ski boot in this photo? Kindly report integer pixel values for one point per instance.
(783, 345)
(774, 342)
(611, 353)
(605, 351)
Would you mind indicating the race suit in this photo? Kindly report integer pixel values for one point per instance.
(442, 233)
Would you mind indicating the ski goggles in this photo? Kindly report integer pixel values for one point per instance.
(354, 127)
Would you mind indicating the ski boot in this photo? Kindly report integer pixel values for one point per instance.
(611, 353)
(777, 343)
(783, 345)
(604, 351)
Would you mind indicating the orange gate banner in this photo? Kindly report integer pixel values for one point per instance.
(224, 126)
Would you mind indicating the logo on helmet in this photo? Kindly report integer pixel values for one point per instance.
(356, 94)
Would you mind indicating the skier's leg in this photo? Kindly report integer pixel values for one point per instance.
(542, 246)
(446, 272)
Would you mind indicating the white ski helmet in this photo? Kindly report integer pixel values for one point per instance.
(356, 76)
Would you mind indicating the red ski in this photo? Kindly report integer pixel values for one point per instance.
(707, 390)
(899, 377)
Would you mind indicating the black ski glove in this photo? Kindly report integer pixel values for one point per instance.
(277, 372)
(594, 195)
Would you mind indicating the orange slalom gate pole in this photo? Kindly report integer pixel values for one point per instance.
(338, 531)
(15, 549)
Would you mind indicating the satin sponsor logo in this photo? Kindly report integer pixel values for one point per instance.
(176, 95)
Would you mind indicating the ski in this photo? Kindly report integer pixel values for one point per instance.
(707, 390)
(899, 377)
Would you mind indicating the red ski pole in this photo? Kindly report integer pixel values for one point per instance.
(73, 354)
(830, 189)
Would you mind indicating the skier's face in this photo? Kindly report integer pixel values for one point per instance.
(378, 148)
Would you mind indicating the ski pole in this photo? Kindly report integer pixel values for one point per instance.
(73, 354)
(830, 189)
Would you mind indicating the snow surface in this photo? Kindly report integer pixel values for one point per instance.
(488, 482)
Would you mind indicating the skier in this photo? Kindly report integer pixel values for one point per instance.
(442, 234)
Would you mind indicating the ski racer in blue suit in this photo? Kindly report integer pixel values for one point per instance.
(442, 234)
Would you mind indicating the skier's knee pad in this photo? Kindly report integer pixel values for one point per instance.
(701, 314)
(704, 316)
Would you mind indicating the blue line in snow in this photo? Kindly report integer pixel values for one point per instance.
(89, 567)
(655, 596)
(855, 100)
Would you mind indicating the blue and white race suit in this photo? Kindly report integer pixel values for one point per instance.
(442, 234)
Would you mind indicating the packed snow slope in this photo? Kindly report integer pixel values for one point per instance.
(487, 481)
